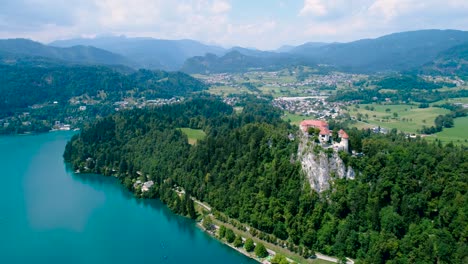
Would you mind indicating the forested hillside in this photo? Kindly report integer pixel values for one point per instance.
(450, 62)
(408, 203)
(242, 60)
(17, 49)
(24, 86)
(394, 52)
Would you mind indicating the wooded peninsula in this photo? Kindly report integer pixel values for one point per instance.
(407, 203)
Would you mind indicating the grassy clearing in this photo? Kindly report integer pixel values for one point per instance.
(462, 100)
(227, 90)
(458, 134)
(284, 91)
(238, 109)
(321, 261)
(193, 135)
(294, 119)
(406, 118)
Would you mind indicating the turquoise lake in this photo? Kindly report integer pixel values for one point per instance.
(50, 215)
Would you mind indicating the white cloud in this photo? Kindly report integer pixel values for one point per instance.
(220, 7)
(351, 20)
(222, 21)
(332, 8)
(314, 7)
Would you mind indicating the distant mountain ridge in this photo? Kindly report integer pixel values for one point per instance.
(148, 52)
(394, 52)
(17, 49)
(237, 61)
(449, 62)
(398, 52)
(391, 53)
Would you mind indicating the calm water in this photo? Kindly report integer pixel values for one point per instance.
(49, 215)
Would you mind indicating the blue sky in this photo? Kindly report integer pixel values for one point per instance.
(264, 24)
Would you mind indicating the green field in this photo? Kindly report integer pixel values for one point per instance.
(293, 118)
(227, 90)
(406, 118)
(193, 134)
(457, 134)
(462, 100)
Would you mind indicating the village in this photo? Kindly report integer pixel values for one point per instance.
(316, 106)
(72, 114)
(283, 79)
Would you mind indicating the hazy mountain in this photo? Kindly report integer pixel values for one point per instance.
(304, 48)
(395, 52)
(248, 51)
(285, 48)
(12, 50)
(451, 61)
(148, 52)
(236, 61)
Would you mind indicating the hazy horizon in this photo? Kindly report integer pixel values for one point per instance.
(262, 24)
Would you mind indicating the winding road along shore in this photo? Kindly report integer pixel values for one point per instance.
(241, 250)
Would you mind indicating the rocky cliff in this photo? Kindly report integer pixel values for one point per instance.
(321, 166)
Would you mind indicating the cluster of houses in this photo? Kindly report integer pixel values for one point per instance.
(457, 81)
(61, 126)
(325, 134)
(145, 186)
(143, 102)
(310, 105)
(275, 79)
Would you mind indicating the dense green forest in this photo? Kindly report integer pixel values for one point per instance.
(453, 61)
(408, 203)
(36, 92)
(24, 86)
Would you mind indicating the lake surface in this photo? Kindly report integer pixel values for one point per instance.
(50, 215)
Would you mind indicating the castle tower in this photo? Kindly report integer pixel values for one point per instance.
(344, 140)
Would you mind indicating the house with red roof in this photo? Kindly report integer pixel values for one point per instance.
(326, 133)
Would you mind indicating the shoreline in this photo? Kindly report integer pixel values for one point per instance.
(240, 250)
(207, 208)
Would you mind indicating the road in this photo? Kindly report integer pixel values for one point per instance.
(271, 252)
(332, 259)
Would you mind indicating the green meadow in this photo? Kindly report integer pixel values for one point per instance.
(193, 134)
(456, 134)
(404, 117)
(293, 118)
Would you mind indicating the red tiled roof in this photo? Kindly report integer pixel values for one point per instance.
(324, 131)
(320, 124)
(314, 123)
(343, 134)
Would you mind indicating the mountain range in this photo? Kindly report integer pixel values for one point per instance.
(397, 52)
(394, 52)
(450, 62)
(237, 61)
(12, 50)
(147, 52)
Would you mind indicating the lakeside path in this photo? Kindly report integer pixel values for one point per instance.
(271, 248)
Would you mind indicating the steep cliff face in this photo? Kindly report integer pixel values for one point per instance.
(320, 167)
